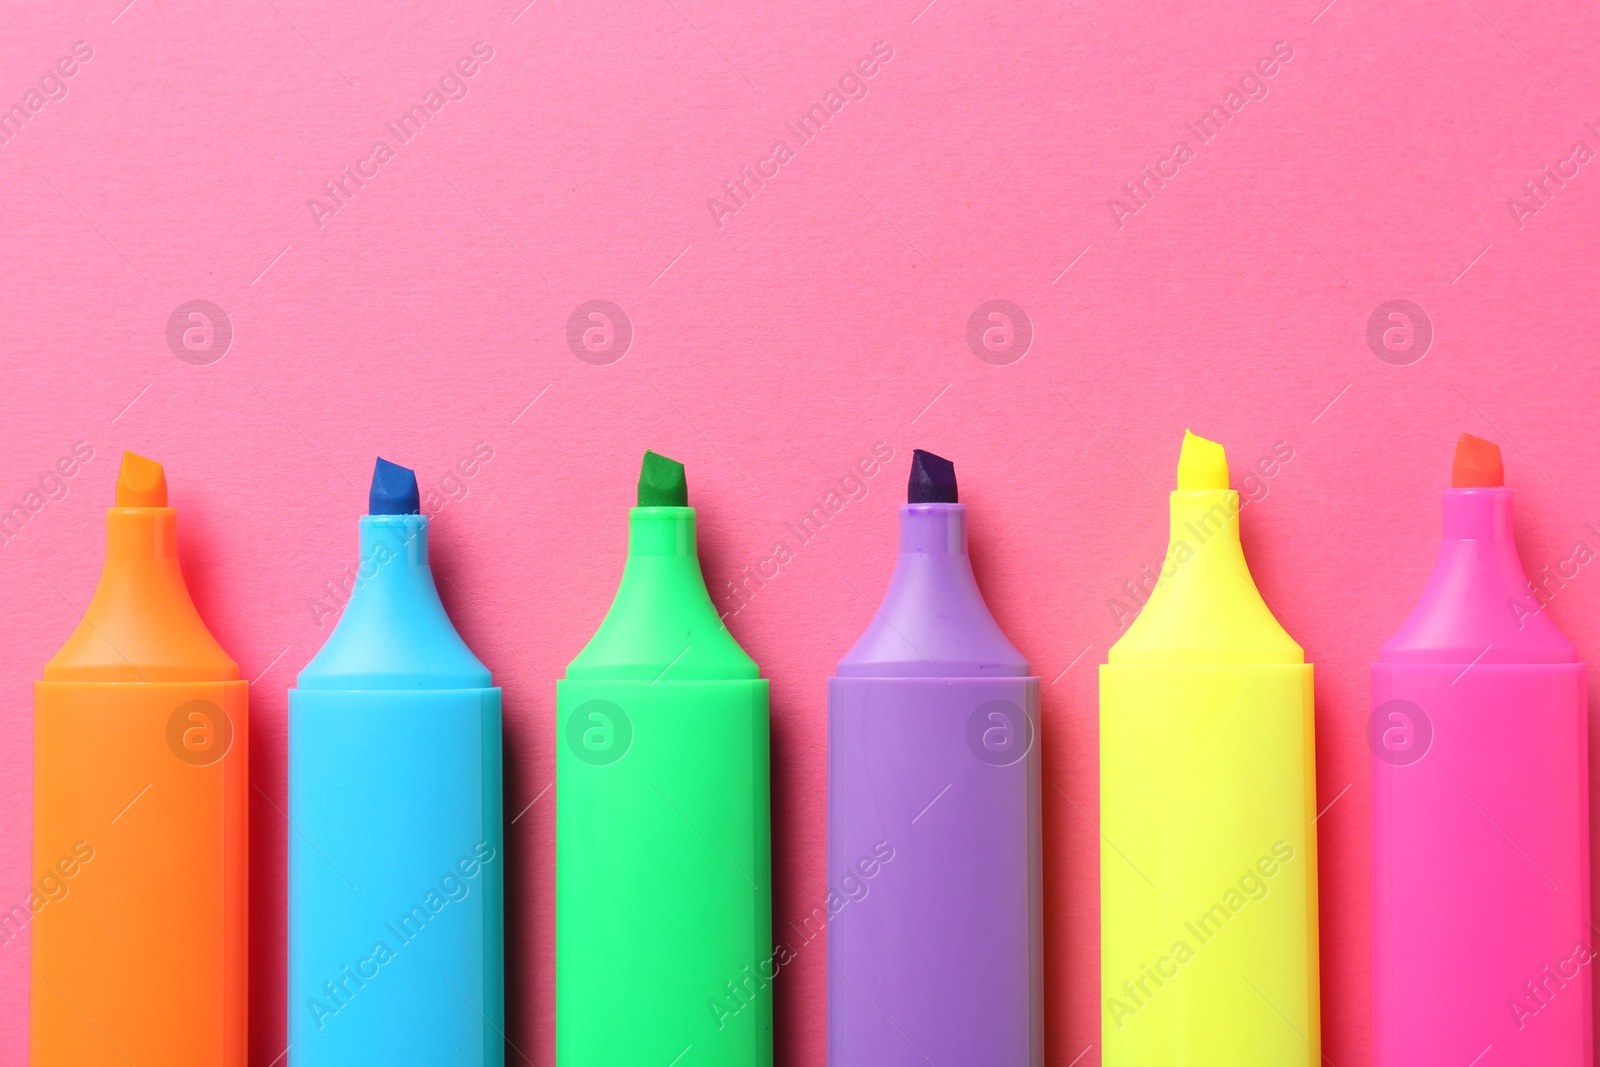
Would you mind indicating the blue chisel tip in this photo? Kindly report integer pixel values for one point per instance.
(394, 490)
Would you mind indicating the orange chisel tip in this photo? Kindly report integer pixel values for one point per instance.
(142, 483)
(1478, 464)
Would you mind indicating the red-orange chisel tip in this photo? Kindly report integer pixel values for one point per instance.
(1478, 464)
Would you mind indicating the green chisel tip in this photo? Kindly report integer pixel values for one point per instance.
(661, 483)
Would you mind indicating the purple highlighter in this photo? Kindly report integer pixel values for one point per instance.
(933, 816)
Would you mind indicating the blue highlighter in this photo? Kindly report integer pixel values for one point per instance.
(396, 928)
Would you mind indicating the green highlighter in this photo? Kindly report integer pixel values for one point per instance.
(663, 835)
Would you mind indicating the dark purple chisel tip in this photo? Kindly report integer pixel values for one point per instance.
(933, 479)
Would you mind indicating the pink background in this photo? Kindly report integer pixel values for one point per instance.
(771, 352)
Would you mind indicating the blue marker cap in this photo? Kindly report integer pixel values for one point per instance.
(394, 490)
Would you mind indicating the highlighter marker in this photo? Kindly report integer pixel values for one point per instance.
(140, 839)
(663, 844)
(1480, 800)
(934, 877)
(1208, 856)
(396, 938)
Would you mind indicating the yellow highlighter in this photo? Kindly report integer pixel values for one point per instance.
(1208, 853)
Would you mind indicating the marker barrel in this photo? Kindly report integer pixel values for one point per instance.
(933, 867)
(663, 860)
(1480, 879)
(1208, 870)
(396, 867)
(141, 828)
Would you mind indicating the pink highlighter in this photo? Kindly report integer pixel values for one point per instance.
(1482, 950)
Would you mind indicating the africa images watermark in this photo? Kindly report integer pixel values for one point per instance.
(751, 981)
(1543, 988)
(1251, 85)
(51, 887)
(453, 85)
(807, 528)
(852, 85)
(1252, 887)
(1552, 178)
(52, 486)
(389, 546)
(453, 886)
(1551, 579)
(51, 87)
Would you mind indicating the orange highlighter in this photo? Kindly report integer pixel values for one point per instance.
(140, 772)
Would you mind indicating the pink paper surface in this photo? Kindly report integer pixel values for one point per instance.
(774, 342)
